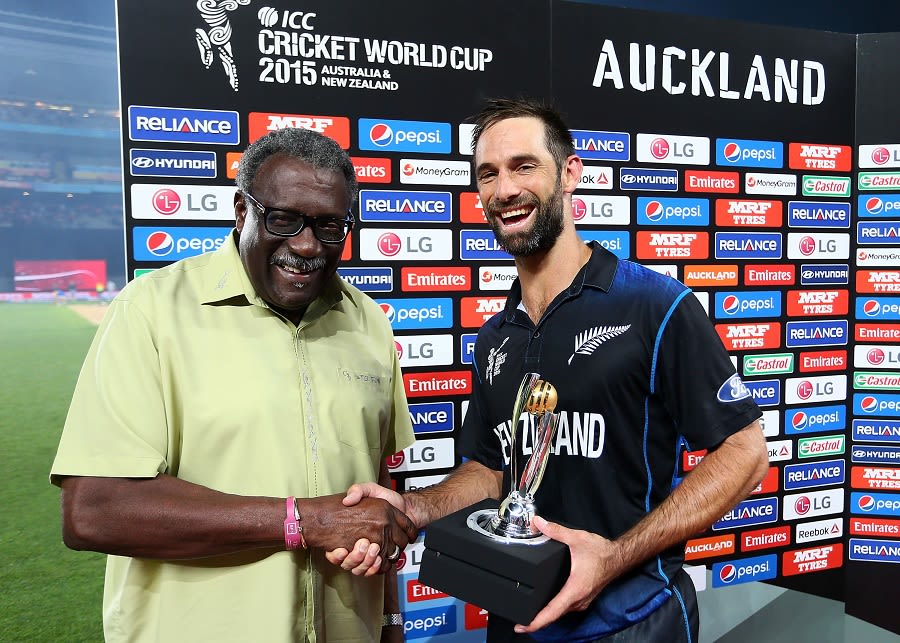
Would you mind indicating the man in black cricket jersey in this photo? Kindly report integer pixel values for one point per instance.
(640, 372)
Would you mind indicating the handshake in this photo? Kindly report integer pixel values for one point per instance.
(367, 530)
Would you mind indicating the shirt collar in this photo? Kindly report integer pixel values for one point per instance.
(598, 272)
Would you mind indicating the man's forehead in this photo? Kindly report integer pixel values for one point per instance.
(512, 137)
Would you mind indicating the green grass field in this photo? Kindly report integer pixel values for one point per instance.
(49, 592)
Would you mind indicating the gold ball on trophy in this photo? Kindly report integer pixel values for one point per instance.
(542, 398)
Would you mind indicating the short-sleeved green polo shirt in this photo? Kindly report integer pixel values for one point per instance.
(191, 374)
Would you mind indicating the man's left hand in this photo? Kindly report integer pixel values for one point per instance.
(593, 567)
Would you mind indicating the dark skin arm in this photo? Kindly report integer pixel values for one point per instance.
(168, 518)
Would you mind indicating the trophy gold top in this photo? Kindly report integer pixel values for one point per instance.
(542, 399)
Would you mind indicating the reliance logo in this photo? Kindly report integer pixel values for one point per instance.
(602, 146)
(749, 512)
(177, 125)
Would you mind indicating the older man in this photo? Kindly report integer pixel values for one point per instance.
(225, 404)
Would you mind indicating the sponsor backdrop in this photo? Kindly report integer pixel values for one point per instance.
(873, 532)
(721, 153)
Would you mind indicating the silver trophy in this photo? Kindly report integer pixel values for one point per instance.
(511, 522)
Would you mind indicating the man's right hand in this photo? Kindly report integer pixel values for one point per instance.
(366, 557)
(371, 523)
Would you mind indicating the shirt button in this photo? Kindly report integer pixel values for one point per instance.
(537, 334)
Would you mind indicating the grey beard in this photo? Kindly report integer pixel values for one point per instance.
(298, 263)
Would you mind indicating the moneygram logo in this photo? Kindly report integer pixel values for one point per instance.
(172, 244)
(404, 136)
(749, 153)
(424, 171)
(672, 212)
(496, 277)
(336, 128)
(176, 125)
(683, 150)
(602, 146)
(785, 184)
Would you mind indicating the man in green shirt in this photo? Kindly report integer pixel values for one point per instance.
(227, 402)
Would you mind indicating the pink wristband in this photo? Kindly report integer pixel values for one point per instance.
(293, 532)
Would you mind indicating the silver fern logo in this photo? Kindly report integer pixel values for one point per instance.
(588, 341)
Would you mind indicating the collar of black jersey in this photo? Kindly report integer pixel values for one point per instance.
(598, 272)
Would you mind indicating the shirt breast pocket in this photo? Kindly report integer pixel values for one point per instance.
(362, 405)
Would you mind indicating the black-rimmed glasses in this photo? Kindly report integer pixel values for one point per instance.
(287, 223)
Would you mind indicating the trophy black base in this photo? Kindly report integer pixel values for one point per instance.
(513, 580)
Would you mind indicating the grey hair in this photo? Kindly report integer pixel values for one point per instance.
(306, 145)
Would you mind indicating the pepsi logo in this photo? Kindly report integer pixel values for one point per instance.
(159, 243)
(397, 345)
(802, 505)
(866, 502)
(166, 201)
(874, 205)
(807, 246)
(408, 169)
(800, 421)
(579, 209)
(868, 404)
(487, 276)
(388, 311)
(732, 153)
(654, 210)
(389, 244)
(395, 460)
(871, 307)
(804, 390)
(381, 134)
(875, 356)
(880, 155)
(659, 148)
(731, 304)
(727, 573)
